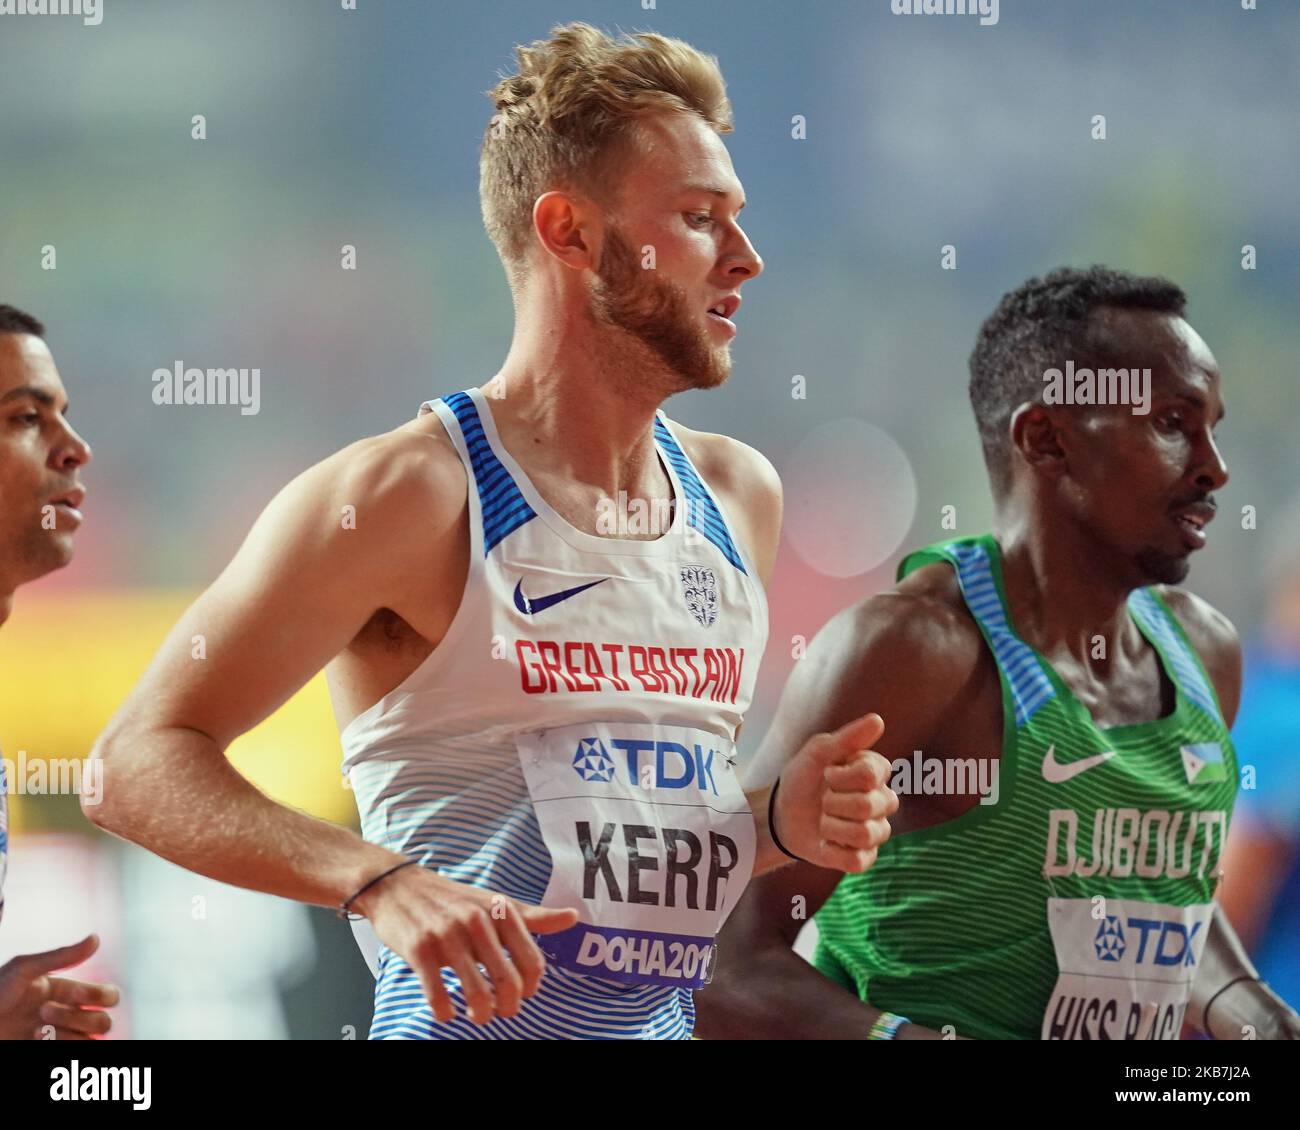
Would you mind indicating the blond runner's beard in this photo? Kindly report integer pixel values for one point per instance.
(658, 315)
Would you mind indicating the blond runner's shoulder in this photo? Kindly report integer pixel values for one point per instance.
(329, 550)
(749, 487)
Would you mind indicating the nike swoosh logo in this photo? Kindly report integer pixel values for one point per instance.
(537, 604)
(1054, 772)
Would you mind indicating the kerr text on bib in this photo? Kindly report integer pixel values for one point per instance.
(651, 839)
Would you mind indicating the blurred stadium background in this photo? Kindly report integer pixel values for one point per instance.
(329, 127)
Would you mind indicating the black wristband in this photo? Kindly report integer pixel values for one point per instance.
(343, 908)
(771, 824)
(1205, 1016)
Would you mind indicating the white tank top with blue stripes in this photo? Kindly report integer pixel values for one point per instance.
(569, 743)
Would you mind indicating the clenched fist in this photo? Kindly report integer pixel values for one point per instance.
(833, 801)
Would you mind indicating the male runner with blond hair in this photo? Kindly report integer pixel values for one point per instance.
(541, 715)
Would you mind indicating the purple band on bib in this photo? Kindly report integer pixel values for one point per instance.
(639, 957)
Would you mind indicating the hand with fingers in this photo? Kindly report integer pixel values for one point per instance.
(436, 923)
(36, 1006)
(833, 803)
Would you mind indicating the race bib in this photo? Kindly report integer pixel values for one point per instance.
(1125, 969)
(651, 839)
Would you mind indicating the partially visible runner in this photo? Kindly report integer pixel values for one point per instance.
(539, 685)
(41, 457)
(1261, 889)
(1057, 714)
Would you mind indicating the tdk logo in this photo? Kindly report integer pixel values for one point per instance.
(650, 764)
(591, 762)
(1159, 943)
(1109, 941)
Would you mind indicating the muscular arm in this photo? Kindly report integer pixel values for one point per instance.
(908, 657)
(763, 989)
(297, 591)
(1238, 1002)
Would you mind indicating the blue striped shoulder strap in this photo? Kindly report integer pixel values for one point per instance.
(501, 502)
(505, 509)
(1162, 627)
(701, 509)
(979, 577)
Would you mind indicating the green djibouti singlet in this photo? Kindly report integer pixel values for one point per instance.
(1077, 905)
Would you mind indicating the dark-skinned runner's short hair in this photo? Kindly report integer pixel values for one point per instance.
(15, 321)
(1038, 326)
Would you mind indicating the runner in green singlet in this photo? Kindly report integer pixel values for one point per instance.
(1057, 714)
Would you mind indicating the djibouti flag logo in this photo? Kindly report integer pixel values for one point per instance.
(1204, 763)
